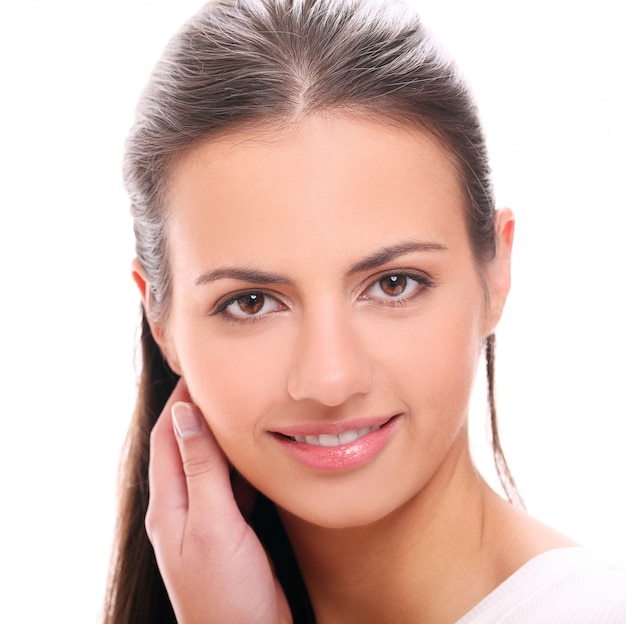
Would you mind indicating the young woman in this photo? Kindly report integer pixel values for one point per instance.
(321, 266)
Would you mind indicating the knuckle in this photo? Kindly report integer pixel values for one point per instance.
(196, 466)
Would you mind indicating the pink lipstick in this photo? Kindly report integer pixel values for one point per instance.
(337, 446)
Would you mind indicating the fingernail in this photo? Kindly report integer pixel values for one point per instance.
(187, 421)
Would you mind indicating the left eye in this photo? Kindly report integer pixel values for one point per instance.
(251, 304)
(394, 286)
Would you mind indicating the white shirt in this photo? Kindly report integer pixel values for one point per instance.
(561, 586)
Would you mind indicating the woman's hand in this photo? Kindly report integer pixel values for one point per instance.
(212, 563)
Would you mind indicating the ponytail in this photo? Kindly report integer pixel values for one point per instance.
(136, 594)
(502, 467)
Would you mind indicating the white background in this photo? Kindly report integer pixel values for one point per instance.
(548, 75)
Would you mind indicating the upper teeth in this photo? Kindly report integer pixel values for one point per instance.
(331, 439)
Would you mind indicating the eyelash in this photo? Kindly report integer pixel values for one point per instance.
(422, 282)
(222, 307)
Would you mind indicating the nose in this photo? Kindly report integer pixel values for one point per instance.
(329, 364)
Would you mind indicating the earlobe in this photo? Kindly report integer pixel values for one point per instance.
(499, 270)
(156, 327)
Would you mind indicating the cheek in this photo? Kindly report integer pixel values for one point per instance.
(237, 382)
(431, 363)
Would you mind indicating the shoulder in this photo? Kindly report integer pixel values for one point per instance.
(564, 585)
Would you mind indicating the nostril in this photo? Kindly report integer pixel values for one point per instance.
(329, 387)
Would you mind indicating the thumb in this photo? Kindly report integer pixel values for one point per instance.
(205, 466)
(220, 571)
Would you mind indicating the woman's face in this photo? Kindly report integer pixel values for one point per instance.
(326, 311)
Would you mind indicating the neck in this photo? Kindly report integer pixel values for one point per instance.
(429, 555)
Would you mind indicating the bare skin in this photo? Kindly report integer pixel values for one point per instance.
(409, 575)
(466, 545)
(189, 482)
(323, 275)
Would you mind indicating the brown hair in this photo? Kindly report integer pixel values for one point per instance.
(251, 63)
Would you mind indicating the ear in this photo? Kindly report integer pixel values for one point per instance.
(498, 272)
(156, 327)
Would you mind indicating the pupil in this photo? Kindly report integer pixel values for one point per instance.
(251, 304)
(393, 285)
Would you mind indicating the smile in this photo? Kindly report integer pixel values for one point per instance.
(330, 439)
(336, 448)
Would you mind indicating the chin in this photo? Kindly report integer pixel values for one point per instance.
(341, 509)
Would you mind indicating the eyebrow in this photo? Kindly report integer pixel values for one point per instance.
(242, 274)
(387, 254)
(373, 261)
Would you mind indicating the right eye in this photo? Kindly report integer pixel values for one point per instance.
(250, 305)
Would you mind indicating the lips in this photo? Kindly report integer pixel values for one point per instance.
(337, 446)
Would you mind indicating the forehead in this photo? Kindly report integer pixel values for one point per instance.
(330, 182)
